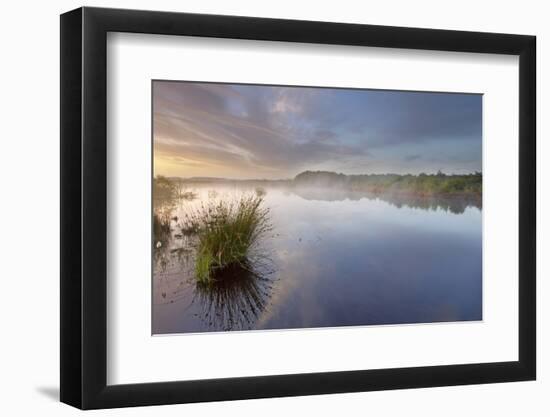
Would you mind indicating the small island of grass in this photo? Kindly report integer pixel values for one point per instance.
(227, 233)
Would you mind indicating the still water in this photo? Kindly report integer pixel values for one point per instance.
(332, 259)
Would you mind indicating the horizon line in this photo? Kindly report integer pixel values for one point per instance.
(317, 171)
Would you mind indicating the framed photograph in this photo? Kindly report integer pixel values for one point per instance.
(257, 208)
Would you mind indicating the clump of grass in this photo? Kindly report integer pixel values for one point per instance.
(227, 234)
(260, 191)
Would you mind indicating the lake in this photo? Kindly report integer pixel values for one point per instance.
(333, 258)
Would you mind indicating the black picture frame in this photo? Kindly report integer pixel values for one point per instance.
(84, 207)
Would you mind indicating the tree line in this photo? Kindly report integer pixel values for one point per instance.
(422, 184)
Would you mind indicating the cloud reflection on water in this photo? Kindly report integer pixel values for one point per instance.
(335, 259)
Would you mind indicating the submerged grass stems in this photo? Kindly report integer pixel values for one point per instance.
(161, 228)
(227, 233)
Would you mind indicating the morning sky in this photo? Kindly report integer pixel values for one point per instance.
(253, 131)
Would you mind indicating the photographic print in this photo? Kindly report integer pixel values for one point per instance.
(293, 207)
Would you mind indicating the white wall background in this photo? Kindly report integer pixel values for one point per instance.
(29, 239)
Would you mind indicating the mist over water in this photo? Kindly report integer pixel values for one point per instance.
(333, 258)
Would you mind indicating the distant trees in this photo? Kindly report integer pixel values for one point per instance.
(422, 184)
(321, 178)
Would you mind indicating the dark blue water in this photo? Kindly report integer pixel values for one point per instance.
(333, 259)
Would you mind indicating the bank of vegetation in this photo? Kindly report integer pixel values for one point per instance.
(422, 184)
(418, 185)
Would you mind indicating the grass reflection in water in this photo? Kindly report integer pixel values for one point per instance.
(216, 250)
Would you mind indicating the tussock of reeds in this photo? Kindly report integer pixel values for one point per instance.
(227, 233)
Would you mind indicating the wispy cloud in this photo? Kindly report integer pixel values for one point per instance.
(250, 131)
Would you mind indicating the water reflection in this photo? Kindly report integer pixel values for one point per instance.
(334, 258)
(236, 300)
(452, 204)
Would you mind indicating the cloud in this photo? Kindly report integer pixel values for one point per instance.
(258, 132)
(410, 158)
(286, 103)
(265, 131)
